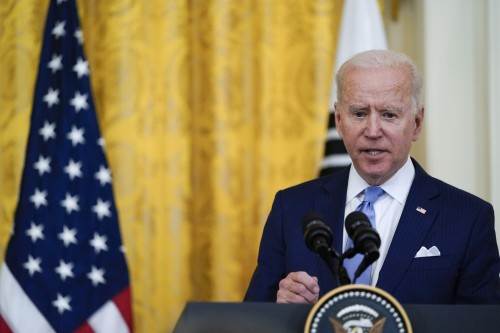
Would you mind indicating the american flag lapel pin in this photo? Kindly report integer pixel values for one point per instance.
(421, 210)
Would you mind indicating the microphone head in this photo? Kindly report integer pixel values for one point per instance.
(354, 220)
(315, 229)
(360, 230)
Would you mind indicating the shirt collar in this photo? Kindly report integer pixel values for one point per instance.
(397, 186)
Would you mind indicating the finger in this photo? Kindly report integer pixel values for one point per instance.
(311, 283)
(299, 290)
(292, 290)
(285, 296)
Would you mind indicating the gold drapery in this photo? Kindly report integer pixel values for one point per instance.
(208, 107)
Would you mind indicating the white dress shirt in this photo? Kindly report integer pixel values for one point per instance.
(388, 207)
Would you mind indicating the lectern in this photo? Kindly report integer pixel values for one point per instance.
(205, 317)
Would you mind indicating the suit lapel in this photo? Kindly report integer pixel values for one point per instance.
(330, 202)
(418, 215)
(332, 205)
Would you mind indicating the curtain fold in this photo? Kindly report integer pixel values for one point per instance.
(208, 107)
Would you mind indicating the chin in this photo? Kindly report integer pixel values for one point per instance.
(375, 173)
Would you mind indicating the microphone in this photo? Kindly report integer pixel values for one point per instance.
(365, 238)
(318, 238)
(317, 233)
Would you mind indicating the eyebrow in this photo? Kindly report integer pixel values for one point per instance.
(357, 107)
(392, 108)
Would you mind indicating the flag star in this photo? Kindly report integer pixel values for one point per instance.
(52, 97)
(62, 303)
(48, 131)
(39, 198)
(103, 175)
(99, 243)
(70, 203)
(79, 36)
(79, 101)
(101, 143)
(64, 270)
(76, 136)
(58, 30)
(73, 169)
(35, 232)
(56, 63)
(101, 208)
(96, 275)
(33, 265)
(68, 236)
(60, 1)
(81, 67)
(42, 165)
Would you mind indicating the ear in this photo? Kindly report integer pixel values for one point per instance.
(338, 119)
(419, 123)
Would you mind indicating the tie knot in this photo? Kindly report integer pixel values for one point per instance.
(372, 193)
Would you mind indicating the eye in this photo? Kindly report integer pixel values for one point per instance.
(359, 113)
(389, 115)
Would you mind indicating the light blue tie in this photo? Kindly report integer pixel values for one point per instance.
(372, 193)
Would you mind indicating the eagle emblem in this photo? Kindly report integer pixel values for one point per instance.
(376, 327)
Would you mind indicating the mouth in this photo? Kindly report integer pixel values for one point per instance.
(373, 152)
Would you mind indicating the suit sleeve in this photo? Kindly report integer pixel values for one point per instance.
(271, 259)
(479, 280)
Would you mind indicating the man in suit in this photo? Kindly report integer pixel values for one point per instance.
(438, 243)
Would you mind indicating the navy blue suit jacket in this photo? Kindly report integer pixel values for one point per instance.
(459, 224)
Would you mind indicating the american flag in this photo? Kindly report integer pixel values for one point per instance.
(65, 268)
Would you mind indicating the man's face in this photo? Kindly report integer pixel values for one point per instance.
(376, 122)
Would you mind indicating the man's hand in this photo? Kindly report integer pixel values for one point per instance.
(298, 287)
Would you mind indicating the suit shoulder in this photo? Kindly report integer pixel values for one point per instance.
(438, 187)
(459, 195)
(320, 184)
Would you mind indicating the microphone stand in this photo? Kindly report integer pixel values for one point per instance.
(335, 263)
(332, 260)
(368, 259)
(346, 255)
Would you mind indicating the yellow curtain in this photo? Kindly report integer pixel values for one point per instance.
(208, 107)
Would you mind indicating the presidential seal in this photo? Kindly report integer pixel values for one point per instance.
(357, 309)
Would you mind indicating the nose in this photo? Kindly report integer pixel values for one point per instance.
(373, 125)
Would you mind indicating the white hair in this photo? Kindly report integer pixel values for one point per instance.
(383, 59)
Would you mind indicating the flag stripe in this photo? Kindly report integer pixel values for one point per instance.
(108, 319)
(3, 326)
(123, 301)
(13, 298)
(85, 328)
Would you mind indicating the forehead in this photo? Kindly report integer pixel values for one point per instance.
(377, 83)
